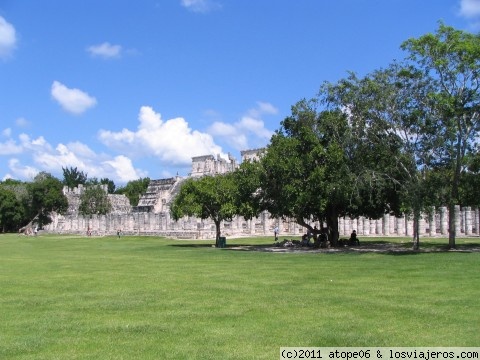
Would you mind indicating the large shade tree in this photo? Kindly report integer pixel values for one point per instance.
(395, 102)
(319, 167)
(207, 197)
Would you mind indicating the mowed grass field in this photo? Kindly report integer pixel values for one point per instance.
(73, 297)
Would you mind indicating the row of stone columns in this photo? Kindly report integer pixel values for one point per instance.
(467, 222)
(436, 223)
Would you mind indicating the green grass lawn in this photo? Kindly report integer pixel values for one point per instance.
(71, 297)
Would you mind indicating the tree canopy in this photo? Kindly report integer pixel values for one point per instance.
(72, 177)
(11, 210)
(45, 197)
(207, 197)
(450, 59)
(94, 201)
(319, 166)
(134, 189)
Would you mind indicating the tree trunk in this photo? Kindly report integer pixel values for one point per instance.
(454, 191)
(217, 235)
(332, 225)
(451, 226)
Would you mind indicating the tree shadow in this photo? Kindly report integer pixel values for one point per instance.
(380, 246)
(190, 245)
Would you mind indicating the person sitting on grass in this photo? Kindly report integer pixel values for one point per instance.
(353, 238)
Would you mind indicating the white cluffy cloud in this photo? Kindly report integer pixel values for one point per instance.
(105, 50)
(32, 155)
(250, 126)
(470, 8)
(8, 38)
(200, 6)
(172, 141)
(74, 101)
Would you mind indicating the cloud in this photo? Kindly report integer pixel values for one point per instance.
(21, 171)
(105, 50)
(74, 101)
(172, 141)
(7, 132)
(22, 122)
(200, 6)
(470, 8)
(10, 147)
(123, 169)
(8, 38)
(250, 126)
(45, 157)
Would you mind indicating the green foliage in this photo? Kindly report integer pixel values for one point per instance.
(11, 210)
(247, 177)
(72, 177)
(451, 59)
(94, 201)
(45, 195)
(104, 181)
(134, 189)
(320, 166)
(110, 185)
(206, 197)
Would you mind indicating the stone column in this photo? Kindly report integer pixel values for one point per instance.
(266, 223)
(379, 226)
(366, 226)
(168, 221)
(347, 224)
(386, 224)
(458, 221)
(422, 225)
(468, 220)
(401, 226)
(360, 225)
(409, 226)
(476, 222)
(341, 226)
(432, 231)
(392, 224)
(373, 226)
(443, 220)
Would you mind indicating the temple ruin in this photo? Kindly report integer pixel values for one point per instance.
(152, 214)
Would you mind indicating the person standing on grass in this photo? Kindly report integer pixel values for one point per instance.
(275, 232)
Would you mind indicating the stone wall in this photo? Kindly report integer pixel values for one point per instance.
(161, 224)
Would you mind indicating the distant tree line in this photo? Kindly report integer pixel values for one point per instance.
(22, 203)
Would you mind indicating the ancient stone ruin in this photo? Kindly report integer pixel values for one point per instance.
(152, 214)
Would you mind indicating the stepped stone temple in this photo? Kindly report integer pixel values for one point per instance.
(152, 214)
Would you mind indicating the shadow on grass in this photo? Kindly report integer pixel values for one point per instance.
(190, 245)
(367, 246)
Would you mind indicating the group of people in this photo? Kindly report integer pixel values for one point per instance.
(319, 238)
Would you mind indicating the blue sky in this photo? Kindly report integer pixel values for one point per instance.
(127, 89)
